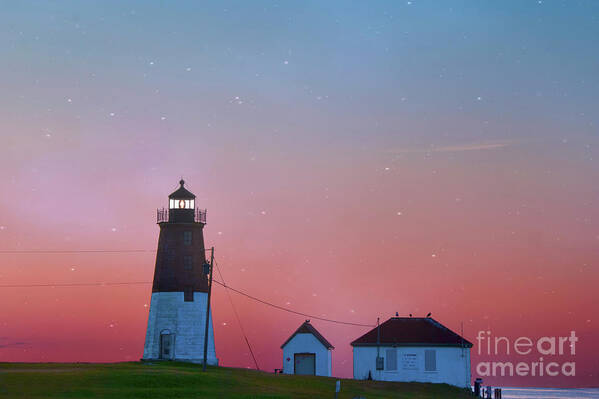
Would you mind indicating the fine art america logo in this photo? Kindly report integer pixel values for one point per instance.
(525, 346)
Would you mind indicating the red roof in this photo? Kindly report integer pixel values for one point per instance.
(307, 328)
(412, 331)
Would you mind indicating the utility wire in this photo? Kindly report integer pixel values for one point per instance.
(290, 310)
(99, 284)
(236, 314)
(72, 251)
(73, 284)
(75, 251)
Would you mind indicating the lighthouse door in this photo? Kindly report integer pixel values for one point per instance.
(166, 346)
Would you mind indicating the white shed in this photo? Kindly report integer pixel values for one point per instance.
(418, 349)
(307, 352)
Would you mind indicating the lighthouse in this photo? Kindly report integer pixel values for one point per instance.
(177, 318)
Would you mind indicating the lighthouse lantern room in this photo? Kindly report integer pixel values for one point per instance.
(177, 318)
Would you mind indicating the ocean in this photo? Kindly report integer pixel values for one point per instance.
(549, 393)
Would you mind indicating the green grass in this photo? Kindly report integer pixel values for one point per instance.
(184, 380)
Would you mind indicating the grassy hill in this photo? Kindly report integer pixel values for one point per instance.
(183, 380)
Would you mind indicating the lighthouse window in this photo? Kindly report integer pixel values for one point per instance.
(187, 262)
(181, 203)
(188, 294)
(187, 237)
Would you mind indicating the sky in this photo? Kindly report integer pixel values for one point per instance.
(356, 160)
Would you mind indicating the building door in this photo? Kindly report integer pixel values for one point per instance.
(304, 364)
(166, 346)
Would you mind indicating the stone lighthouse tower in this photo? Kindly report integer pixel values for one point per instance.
(177, 318)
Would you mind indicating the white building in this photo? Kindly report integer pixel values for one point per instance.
(412, 349)
(307, 352)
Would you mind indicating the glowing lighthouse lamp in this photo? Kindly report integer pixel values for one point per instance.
(181, 203)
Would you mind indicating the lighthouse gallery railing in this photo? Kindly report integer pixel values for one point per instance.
(162, 215)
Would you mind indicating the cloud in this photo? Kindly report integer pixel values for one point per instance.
(472, 147)
(479, 146)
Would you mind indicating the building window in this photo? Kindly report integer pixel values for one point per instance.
(391, 359)
(187, 237)
(188, 294)
(430, 360)
(187, 262)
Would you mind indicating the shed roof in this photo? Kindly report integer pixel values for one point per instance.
(412, 331)
(307, 328)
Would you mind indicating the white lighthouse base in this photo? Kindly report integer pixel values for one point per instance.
(176, 329)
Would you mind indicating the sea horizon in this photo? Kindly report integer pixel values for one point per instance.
(548, 393)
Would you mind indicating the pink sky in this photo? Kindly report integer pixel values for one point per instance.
(355, 162)
(351, 239)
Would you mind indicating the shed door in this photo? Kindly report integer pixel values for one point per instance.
(305, 363)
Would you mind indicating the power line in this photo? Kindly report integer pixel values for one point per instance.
(73, 251)
(290, 310)
(73, 284)
(236, 315)
(99, 284)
